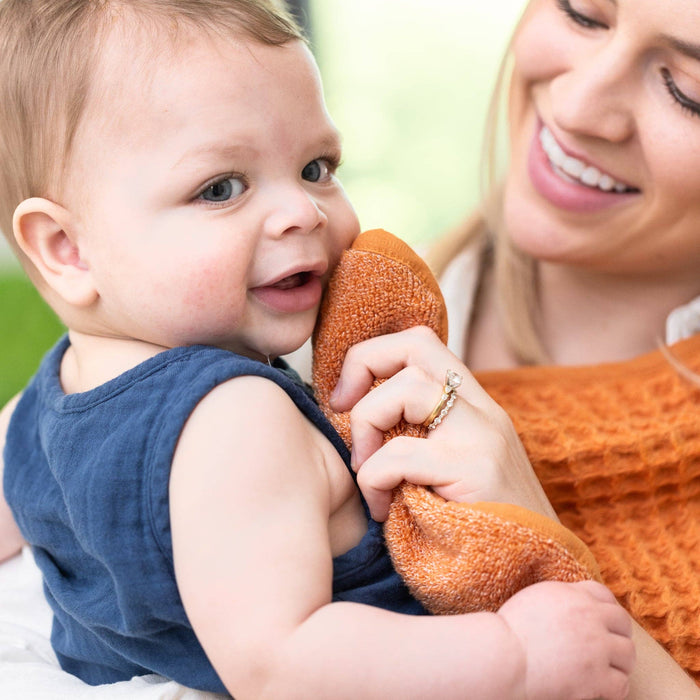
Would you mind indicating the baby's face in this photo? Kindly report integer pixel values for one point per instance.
(205, 192)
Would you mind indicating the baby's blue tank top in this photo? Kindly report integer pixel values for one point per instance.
(86, 476)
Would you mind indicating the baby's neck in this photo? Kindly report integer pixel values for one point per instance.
(92, 360)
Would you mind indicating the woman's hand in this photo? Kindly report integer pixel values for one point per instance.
(473, 455)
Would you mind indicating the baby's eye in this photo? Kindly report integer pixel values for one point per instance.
(223, 190)
(318, 170)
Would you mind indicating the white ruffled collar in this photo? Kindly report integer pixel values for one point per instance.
(683, 322)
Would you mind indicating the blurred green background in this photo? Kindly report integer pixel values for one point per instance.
(408, 83)
(29, 328)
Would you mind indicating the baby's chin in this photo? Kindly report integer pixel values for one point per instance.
(298, 349)
(300, 360)
(293, 337)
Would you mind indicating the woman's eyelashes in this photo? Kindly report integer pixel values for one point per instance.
(579, 18)
(685, 102)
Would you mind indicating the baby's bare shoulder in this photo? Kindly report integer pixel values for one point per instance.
(251, 430)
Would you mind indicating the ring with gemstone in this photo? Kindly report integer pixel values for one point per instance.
(447, 399)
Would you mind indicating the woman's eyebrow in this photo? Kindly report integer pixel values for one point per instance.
(684, 47)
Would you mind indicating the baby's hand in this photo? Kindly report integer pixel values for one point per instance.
(576, 641)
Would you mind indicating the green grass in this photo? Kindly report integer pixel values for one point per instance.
(27, 329)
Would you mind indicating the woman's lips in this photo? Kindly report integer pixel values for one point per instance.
(569, 183)
(295, 293)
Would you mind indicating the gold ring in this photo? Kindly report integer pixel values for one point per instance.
(447, 399)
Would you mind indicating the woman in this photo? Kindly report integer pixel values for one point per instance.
(592, 255)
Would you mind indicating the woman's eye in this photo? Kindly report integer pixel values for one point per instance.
(223, 190)
(579, 18)
(682, 99)
(318, 170)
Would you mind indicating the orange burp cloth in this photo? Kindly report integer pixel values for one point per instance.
(454, 557)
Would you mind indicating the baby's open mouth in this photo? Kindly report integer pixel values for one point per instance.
(295, 293)
(298, 279)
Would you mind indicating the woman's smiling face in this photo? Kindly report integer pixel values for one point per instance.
(605, 136)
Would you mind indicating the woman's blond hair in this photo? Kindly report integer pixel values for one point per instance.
(515, 272)
(49, 51)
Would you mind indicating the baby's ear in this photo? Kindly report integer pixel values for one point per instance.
(44, 232)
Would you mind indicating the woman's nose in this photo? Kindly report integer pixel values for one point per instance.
(594, 97)
(293, 209)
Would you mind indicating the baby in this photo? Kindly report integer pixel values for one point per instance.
(168, 180)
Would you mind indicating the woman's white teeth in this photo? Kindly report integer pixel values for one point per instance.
(575, 168)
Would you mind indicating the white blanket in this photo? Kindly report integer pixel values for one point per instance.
(28, 667)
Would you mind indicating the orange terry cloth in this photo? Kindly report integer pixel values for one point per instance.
(454, 557)
(617, 449)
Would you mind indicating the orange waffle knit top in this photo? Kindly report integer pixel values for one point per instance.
(617, 449)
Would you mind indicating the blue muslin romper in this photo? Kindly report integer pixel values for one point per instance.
(86, 476)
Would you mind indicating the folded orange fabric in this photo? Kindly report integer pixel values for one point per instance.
(617, 449)
(454, 557)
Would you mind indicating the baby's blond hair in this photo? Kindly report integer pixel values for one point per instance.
(49, 54)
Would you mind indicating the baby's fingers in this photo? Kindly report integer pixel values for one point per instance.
(616, 686)
(596, 590)
(615, 617)
(622, 654)
(618, 621)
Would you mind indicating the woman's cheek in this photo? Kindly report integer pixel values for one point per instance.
(542, 44)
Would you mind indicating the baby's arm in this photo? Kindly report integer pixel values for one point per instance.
(252, 489)
(11, 540)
